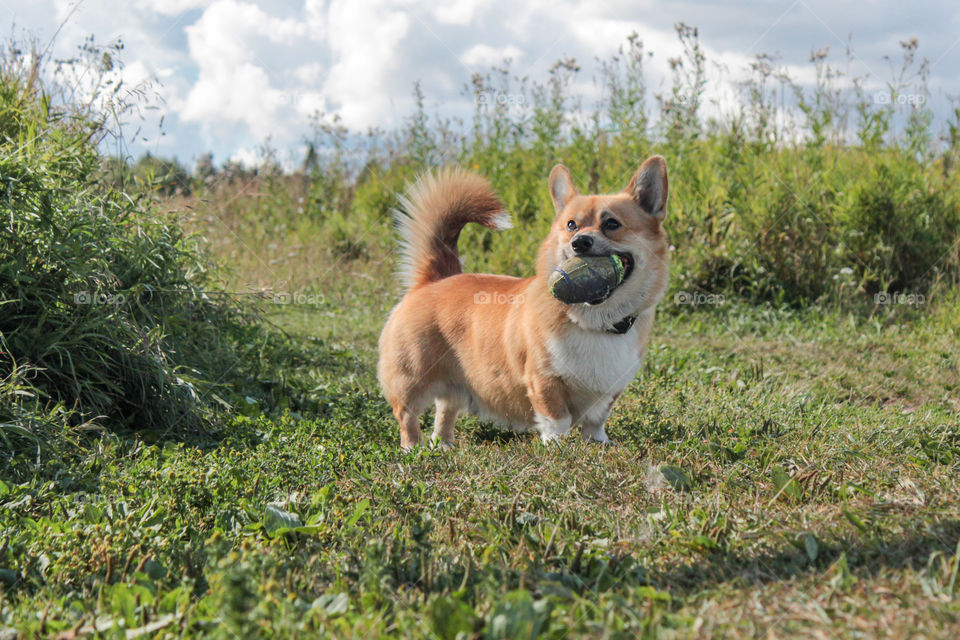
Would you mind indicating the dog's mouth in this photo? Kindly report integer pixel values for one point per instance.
(627, 260)
(628, 263)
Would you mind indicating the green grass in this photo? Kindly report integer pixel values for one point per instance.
(776, 472)
(787, 461)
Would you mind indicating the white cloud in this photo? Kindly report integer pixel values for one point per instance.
(316, 18)
(234, 85)
(247, 156)
(483, 55)
(458, 12)
(364, 38)
(171, 7)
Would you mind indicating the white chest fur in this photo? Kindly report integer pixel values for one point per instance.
(594, 360)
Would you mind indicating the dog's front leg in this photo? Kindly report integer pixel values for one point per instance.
(552, 416)
(593, 421)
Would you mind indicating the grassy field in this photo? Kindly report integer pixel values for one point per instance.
(193, 443)
(776, 473)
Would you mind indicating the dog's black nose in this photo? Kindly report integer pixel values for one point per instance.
(581, 243)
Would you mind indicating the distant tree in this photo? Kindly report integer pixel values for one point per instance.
(205, 170)
(166, 176)
(233, 170)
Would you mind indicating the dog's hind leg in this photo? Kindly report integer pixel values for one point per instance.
(409, 425)
(448, 408)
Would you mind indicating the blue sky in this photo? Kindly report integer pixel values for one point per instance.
(229, 75)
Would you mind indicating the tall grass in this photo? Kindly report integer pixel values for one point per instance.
(106, 313)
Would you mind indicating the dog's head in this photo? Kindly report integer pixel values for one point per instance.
(628, 223)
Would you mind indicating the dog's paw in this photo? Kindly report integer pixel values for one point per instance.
(553, 429)
(598, 436)
(442, 444)
(551, 438)
(604, 441)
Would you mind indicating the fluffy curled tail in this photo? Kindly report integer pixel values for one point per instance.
(431, 217)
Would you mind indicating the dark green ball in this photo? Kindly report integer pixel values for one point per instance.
(586, 278)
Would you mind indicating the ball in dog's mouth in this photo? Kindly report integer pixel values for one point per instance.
(627, 260)
(589, 279)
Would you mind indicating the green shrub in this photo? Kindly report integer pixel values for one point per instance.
(105, 316)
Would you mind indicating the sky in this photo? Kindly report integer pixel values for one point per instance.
(228, 76)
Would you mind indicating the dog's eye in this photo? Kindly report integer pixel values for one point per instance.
(571, 226)
(611, 225)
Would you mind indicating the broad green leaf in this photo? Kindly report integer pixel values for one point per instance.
(449, 617)
(276, 521)
(358, 512)
(676, 477)
(811, 546)
(333, 604)
(785, 484)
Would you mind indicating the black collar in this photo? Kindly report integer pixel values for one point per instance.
(623, 325)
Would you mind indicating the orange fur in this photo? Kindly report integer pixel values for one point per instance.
(503, 347)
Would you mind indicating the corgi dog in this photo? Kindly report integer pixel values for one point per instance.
(503, 347)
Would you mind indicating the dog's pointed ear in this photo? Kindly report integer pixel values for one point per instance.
(561, 187)
(649, 188)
